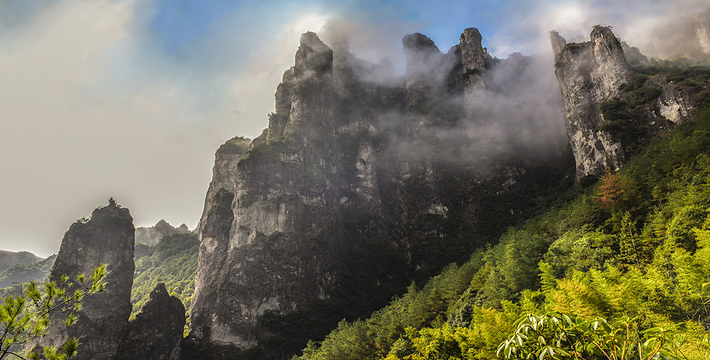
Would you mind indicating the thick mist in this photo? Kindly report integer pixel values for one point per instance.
(512, 111)
(130, 99)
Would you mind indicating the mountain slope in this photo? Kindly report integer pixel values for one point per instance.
(9, 259)
(365, 181)
(172, 261)
(36, 271)
(635, 244)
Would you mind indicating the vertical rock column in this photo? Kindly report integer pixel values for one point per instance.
(590, 73)
(257, 256)
(156, 332)
(107, 238)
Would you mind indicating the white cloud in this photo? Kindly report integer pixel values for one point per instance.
(66, 145)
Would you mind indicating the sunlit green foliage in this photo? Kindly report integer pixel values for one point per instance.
(172, 261)
(557, 336)
(26, 316)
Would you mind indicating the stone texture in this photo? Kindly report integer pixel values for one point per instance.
(590, 73)
(352, 167)
(593, 72)
(156, 332)
(106, 238)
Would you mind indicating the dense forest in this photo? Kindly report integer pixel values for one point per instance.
(622, 270)
(172, 261)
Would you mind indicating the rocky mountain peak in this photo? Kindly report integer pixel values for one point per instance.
(423, 56)
(106, 238)
(162, 224)
(473, 56)
(313, 56)
(558, 43)
(156, 332)
(605, 119)
(347, 170)
(153, 234)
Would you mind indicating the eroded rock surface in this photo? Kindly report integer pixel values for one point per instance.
(609, 107)
(106, 238)
(364, 181)
(156, 332)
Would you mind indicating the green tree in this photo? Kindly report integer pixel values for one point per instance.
(24, 317)
(561, 336)
(611, 190)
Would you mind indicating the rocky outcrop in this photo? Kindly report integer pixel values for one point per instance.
(152, 235)
(610, 109)
(156, 332)
(355, 176)
(590, 73)
(106, 238)
(250, 261)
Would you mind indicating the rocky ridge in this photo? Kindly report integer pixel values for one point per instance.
(350, 171)
(610, 107)
(156, 332)
(102, 325)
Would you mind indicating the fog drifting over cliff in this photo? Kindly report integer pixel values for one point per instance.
(130, 99)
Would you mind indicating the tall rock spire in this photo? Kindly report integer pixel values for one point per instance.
(106, 238)
(589, 73)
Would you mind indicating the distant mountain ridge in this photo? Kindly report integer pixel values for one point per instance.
(10, 258)
(152, 235)
(23, 273)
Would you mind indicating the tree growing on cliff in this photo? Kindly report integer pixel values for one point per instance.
(611, 190)
(25, 316)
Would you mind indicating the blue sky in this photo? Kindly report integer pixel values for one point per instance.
(130, 98)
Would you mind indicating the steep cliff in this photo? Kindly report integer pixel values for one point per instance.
(106, 238)
(611, 108)
(156, 332)
(364, 181)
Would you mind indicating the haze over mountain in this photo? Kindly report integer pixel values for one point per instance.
(571, 177)
(147, 90)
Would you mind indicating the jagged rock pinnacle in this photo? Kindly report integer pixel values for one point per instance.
(107, 238)
(421, 53)
(156, 332)
(558, 43)
(472, 55)
(313, 56)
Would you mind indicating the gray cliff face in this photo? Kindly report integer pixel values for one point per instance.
(352, 178)
(156, 332)
(590, 73)
(225, 164)
(107, 238)
(610, 108)
(283, 190)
